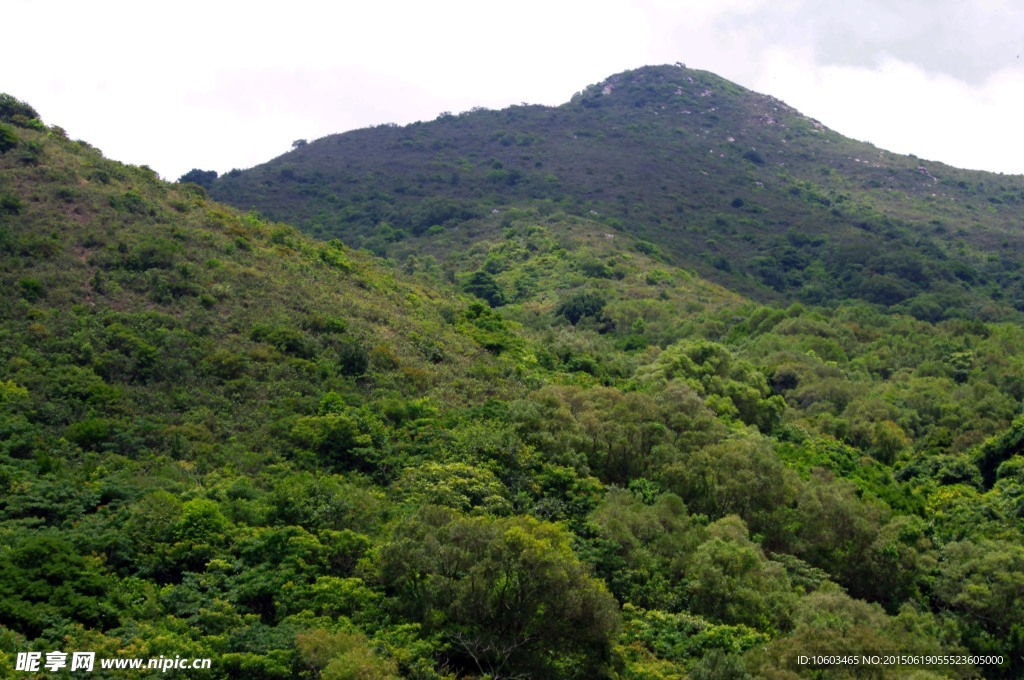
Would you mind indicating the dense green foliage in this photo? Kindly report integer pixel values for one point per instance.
(532, 446)
(203, 178)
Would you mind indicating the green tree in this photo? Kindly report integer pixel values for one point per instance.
(829, 622)
(738, 476)
(835, 530)
(342, 656)
(640, 547)
(999, 449)
(508, 595)
(482, 285)
(985, 580)
(204, 178)
(44, 580)
(580, 305)
(902, 563)
(730, 580)
(461, 486)
(733, 387)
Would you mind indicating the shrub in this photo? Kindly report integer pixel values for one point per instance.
(31, 289)
(579, 305)
(353, 359)
(15, 111)
(8, 140)
(10, 205)
(482, 285)
(754, 157)
(203, 178)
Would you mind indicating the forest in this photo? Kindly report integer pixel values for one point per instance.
(496, 433)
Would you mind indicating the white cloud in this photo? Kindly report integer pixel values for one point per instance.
(220, 85)
(902, 108)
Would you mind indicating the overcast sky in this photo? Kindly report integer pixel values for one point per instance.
(218, 85)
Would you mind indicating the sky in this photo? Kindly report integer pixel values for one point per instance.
(221, 85)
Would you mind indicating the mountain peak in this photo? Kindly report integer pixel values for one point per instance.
(725, 181)
(677, 90)
(665, 84)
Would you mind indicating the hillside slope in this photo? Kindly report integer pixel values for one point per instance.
(222, 439)
(733, 184)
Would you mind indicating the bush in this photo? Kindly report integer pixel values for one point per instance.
(8, 140)
(754, 157)
(31, 289)
(10, 205)
(580, 305)
(353, 359)
(283, 339)
(203, 178)
(482, 285)
(15, 111)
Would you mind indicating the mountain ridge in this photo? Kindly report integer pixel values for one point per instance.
(723, 180)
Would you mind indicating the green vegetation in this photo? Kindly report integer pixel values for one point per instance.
(530, 445)
(734, 185)
(203, 178)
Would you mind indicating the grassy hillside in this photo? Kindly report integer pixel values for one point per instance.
(558, 455)
(730, 183)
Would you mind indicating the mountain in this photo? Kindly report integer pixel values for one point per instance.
(529, 445)
(732, 184)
